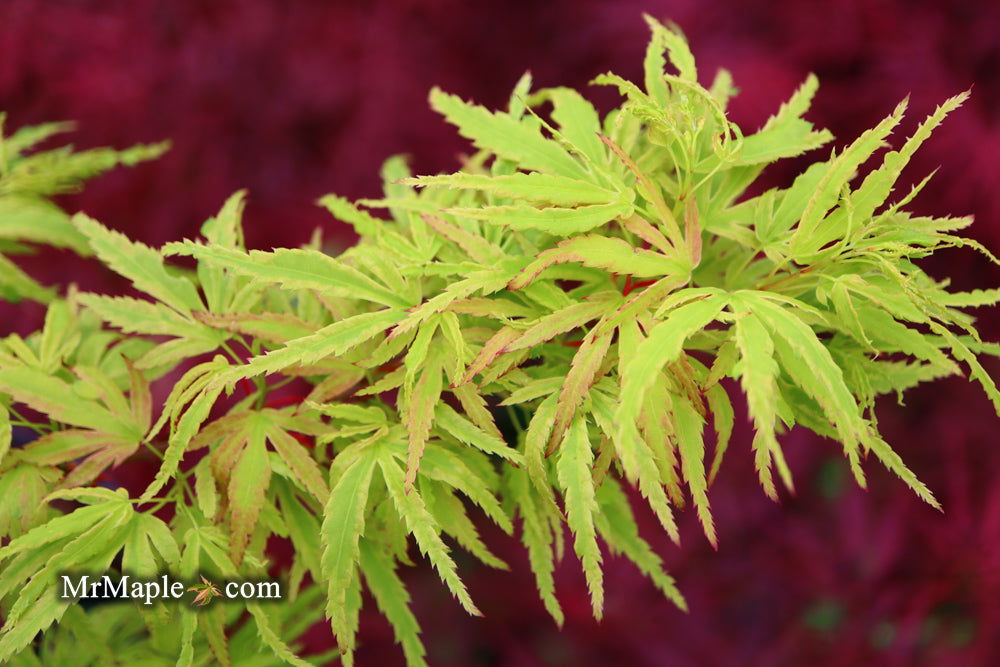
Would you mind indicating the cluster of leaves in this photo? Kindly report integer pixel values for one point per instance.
(524, 339)
(27, 217)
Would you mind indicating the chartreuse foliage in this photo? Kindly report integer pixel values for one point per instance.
(27, 217)
(590, 280)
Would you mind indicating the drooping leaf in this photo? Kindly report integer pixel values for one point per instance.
(691, 446)
(343, 525)
(424, 530)
(248, 484)
(575, 459)
(393, 601)
(758, 370)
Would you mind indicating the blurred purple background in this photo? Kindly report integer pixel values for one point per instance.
(294, 100)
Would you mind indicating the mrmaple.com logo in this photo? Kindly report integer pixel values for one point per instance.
(124, 587)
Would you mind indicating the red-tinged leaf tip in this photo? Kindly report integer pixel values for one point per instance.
(411, 478)
(469, 606)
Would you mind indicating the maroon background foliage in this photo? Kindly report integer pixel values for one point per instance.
(294, 100)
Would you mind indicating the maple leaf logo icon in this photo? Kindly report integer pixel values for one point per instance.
(206, 592)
